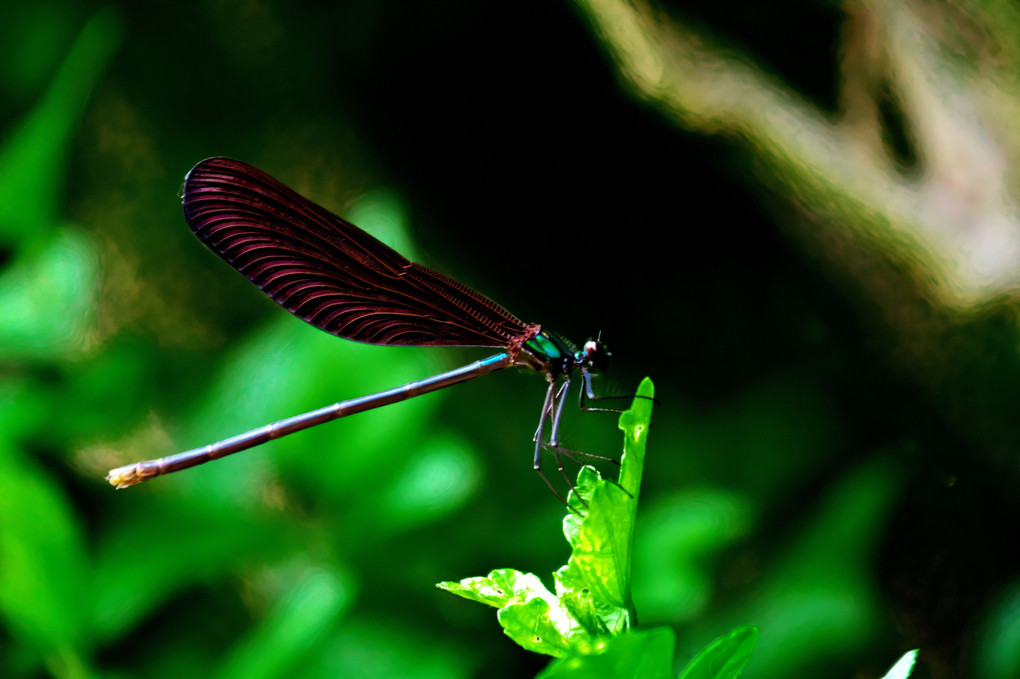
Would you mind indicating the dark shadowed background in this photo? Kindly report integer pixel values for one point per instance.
(835, 455)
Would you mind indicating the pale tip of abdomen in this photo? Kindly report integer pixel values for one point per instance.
(129, 475)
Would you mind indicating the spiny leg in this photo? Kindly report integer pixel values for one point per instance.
(572, 454)
(553, 408)
(547, 408)
(560, 400)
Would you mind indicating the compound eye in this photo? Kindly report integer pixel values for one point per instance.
(596, 354)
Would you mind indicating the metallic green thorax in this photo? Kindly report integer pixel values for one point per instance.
(554, 354)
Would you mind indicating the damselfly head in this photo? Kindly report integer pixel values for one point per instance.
(596, 354)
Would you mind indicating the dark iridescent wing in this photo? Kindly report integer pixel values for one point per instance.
(329, 272)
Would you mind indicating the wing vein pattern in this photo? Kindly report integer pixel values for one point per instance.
(329, 272)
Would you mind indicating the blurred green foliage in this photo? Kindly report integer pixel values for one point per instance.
(809, 475)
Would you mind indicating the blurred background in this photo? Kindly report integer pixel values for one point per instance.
(800, 220)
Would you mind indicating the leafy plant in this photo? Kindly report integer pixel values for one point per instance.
(588, 622)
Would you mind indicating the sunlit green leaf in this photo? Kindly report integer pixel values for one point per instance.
(903, 667)
(602, 536)
(529, 613)
(499, 588)
(591, 602)
(545, 626)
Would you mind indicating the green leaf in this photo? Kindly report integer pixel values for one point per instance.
(33, 158)
(635, 423)
(903, 667)
(48, 297)
(42, 558)
(499, 588)
(725, 657)
(530, 614)
(645, 654)
(596, 580)
(575, 595)
(592, 600)
(545, 626)
(303, 617)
